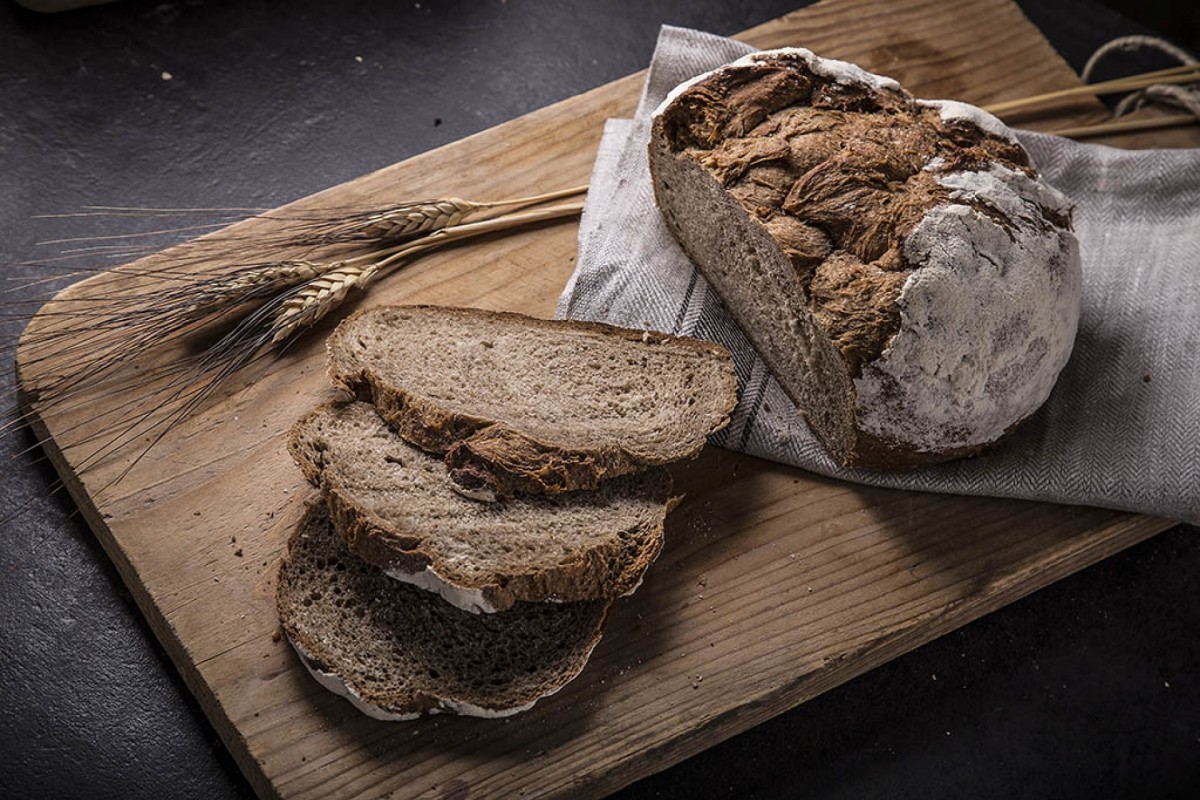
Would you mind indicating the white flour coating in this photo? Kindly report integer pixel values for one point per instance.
(988, 316)
(470, 710)
(467, 599)
(952, 110)
(999, 181)
(471, 600)
(935, 163)
(484, 495)
(842, 72)
(335, 684)
(339, 687)
(636, 586)
(465, 709)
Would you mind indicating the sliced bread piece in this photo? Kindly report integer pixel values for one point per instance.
(529, 405)
(396, 652)
(394, 505)
(898, 263)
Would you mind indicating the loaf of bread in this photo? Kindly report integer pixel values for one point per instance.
(397, 652)
(394, 506)
(898, 263)
(533, 406)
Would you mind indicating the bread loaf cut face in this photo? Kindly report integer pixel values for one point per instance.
(534, 406)
(898, 263)
(397, 652)
(394, 506)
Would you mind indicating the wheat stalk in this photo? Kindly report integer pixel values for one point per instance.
(293, 228)
(408, 221)
(249, 283)
(1125, 126)
(318, 297)
(411, 219)
(149, 311)
(1175, 75)
(261, 306)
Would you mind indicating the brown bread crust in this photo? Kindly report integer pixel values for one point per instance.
(501, 459)
(613, 569)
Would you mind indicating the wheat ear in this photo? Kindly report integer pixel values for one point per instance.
(407, 221)
(319, 296)
(310, 302)
(411, 219)
(248, 283)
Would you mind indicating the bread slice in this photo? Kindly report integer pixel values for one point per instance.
(528, 405)
(396, 652)
(898, 263)
(394, 506)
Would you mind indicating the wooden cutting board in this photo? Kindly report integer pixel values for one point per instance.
(775, 585)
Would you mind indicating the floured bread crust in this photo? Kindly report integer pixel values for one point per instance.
(970, 364)
(898, 263)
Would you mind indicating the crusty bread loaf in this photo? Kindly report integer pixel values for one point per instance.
(898, 263)
(393, 504)
(397, 652)
(529, 405)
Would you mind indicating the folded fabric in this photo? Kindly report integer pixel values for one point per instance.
(1122, 427)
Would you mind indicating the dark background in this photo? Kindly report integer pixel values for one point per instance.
(1086, 689)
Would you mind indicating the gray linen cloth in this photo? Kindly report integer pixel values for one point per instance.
(1122, 427)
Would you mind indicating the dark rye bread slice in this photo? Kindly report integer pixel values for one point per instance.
(397, 652)
(525, 405)
(897, 263)
(395, 507)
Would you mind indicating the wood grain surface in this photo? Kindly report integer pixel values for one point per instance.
(775, 585)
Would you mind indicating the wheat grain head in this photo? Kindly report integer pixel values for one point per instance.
(320, 295)
(412, 219)
(248, 283)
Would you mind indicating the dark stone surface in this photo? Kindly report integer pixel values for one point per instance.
(1086, 689)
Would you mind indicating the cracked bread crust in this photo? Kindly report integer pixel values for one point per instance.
(812, 186)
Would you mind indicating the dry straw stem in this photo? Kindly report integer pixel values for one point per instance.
(402, 223)
(1174, 75)
(1188, 73)
(408, 220)
(1126, 126)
